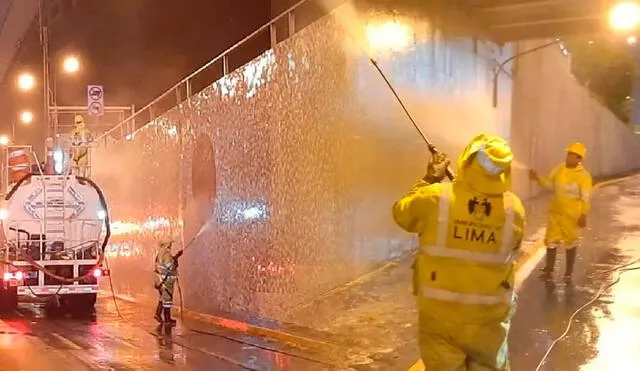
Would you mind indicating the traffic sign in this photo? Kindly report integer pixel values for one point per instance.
(95, 100)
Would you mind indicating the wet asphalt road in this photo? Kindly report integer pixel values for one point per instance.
(605, 335)
(35, 338)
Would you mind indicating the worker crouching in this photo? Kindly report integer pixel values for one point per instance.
(166, 275)
(469, 232)
(571, 185)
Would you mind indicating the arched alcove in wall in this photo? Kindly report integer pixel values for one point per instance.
(200, 203)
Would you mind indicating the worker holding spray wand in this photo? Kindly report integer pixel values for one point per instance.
(470, 231)
(166, 275)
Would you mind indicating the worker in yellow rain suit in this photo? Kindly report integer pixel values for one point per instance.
(470, 232)
(571, 185)
(80, 147)
(166, 274)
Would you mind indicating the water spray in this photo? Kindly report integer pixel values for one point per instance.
(348, 18)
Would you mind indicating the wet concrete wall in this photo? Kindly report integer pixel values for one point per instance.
(285, 170)
(551, 110)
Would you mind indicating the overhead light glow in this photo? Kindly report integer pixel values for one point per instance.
(390, 35)
(624, 16)
(26, 81)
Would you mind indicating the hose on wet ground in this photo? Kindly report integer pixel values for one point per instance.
(209, 333)
(122, 317)
(620, 270)
(263, 347)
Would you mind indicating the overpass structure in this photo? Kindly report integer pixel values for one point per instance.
(280, 174)
(16, 16)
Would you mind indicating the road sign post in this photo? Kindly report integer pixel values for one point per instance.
(95, 100)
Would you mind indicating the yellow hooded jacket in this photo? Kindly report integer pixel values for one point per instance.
(571, 189)
(469, 233)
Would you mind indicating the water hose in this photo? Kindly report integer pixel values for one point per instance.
(620, 270)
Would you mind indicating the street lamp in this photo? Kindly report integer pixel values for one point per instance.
(4, 140)
(26, 117)
(71, 64)
(624, 16)
(26, 81)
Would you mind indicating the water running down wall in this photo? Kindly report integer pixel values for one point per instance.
(291, 163)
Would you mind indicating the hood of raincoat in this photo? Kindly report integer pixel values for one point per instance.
(165, 244)
(485, 165)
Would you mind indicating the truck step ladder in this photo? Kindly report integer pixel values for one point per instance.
(54, 208)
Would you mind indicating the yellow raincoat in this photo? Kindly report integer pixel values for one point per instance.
(572, 191)
(80, 147)
(166, 273)
(469, 232)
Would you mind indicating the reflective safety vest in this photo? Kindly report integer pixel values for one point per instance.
(18, 163)
(472, 259)
(165, 264)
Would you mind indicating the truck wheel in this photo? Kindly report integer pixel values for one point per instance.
(8, 299)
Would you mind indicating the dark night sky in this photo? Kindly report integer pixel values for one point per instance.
(135, 48)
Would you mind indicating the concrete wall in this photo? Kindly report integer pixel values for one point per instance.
(551, 110)
(288, 167)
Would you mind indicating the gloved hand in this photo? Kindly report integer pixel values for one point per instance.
(582, 221)
(437, 168)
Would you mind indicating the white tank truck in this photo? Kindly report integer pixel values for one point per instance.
(52, 224)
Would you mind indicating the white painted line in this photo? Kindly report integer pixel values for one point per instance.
(122, 341)
(527, 268)
(108, 294)
(66, 341)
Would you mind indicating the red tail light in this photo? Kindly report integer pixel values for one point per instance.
(97, 272)
(18, 275)
(8, 276)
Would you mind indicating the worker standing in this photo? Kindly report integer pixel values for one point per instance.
(166, 274)
(469, 232)
(571, 184)
(80, 147)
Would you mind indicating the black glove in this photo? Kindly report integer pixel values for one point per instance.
(179, 254)
(437, 168)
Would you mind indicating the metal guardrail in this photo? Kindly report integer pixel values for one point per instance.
(153, 109)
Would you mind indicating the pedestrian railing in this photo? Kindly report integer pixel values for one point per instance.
(183, 90)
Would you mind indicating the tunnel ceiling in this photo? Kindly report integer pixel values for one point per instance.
(511, 20)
